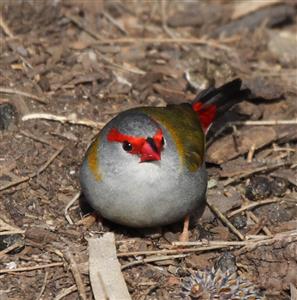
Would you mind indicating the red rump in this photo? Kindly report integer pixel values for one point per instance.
(206, 114)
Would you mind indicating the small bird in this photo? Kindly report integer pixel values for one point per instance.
(146, 166)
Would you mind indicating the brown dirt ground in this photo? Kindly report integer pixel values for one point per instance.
(62, 52)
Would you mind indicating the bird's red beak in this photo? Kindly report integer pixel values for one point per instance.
(149, 151)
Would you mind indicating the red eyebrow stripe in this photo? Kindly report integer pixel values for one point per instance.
(115, 136)
(137, 142)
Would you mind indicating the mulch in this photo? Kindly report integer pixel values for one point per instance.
(68, 67)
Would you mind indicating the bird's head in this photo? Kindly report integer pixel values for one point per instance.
(148, 148)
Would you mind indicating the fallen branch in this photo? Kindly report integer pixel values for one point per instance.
(32, 268)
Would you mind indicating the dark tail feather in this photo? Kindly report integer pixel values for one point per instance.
(213, 102)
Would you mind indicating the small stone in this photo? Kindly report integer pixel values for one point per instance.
(172, 269)
(239, 221)
(226, 262)
(7, 114)
(170, 236)
(10, 239)
(283, 45)
(279, 187)
(258, 188)
(44, 84)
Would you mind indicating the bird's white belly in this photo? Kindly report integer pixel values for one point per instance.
(149, 195)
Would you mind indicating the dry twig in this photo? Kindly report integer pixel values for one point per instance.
(40, 170)
(225, 221)
(257, 170)
(66, 292)
(71, 119)
(10, 248)
(43, 286)
(152, 259)
(264, 122)
(76, 274)
(83, 26)
(6, 229)
(288, 235)
(21, 93)
(252, 205)
(114, 22)
(177, 40)
(256, 220)
(32, 268)
(208, 243)
(38, 139)
(5, 27)
(171, 251)
(50, 160)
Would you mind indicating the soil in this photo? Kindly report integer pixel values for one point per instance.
(81, 63)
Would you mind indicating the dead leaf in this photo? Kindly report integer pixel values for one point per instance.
(242, 8)
(225, 148)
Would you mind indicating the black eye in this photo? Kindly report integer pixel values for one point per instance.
(127, 146)
(162, 141)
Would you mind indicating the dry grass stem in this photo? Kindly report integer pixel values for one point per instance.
(66, 210)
